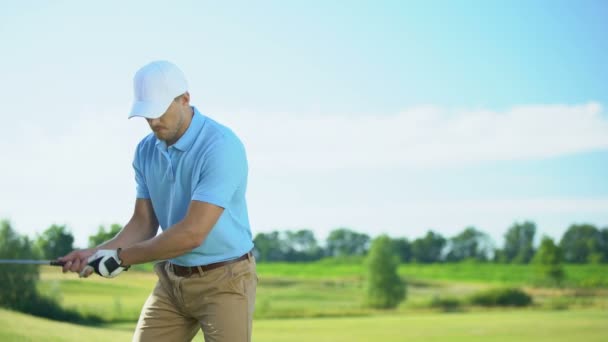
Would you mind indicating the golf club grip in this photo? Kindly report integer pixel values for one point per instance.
(57, 263)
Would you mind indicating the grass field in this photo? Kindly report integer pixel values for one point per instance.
(19, 327)
(519, 325)
(118, 299)
(494, 326)
(587, 275)
(322, 301)
(325, 289)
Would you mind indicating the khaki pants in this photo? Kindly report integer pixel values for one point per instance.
(220, 302)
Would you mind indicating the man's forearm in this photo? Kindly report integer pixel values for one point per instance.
(173, 242)
(132, 233)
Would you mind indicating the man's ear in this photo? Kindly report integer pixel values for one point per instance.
(185, 98)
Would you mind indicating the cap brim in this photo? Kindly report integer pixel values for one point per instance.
(150, 110)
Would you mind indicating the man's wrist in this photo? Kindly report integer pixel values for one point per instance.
(122, 262)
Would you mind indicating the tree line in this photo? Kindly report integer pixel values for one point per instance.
(580, 243)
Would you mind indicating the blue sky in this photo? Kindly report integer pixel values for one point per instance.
(384, 116)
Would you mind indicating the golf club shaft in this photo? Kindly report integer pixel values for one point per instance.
(32, 262)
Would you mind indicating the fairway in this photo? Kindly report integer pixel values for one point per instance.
(554, 326)
(491, 326)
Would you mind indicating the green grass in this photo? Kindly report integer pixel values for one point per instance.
(492, 326)
(288, 297)
(326, 297)
(587, 275)
(287, 291)
(19, 327)
(327, 269)
(511, 274)
(489, 326)
(118, 299)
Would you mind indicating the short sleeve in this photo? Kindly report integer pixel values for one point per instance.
(223, 171)
(140, 180)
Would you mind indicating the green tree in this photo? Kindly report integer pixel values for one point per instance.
(428, 249)
(103, 235)
(499, 255)
(519, 241)
(469, 244)
(604, 237)
(549, 259)
(582, 243)
(343, 241)
(54, 242)
(302, 246)
(18, 282)
(384, 288)
(404, 249)
(269, 247)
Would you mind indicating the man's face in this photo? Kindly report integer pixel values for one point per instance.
(170, 126)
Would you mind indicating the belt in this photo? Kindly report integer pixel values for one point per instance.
(186, 271)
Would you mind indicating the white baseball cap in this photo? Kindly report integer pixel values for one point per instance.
(155, 86)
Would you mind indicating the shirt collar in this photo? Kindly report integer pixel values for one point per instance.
(185, 141)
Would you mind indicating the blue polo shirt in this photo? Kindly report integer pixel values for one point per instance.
(208, 164)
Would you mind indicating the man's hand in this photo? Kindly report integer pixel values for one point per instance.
(77, 260)
(104, 262)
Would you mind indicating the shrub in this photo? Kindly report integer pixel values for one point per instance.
(501, 297)
(49, 308)
(445, 304)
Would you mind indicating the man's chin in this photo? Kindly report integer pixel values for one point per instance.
(164, 137)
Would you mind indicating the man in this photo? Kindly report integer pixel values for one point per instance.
(191, 176)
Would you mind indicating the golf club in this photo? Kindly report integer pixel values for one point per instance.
(32, 262)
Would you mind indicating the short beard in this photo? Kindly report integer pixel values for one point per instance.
(178, 127)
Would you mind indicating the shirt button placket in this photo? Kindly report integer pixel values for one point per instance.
(169, 170)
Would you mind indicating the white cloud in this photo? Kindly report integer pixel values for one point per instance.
(421, 136)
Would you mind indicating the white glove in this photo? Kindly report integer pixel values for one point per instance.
(104, 262)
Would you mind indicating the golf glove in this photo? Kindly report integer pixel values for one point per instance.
(106, 263)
